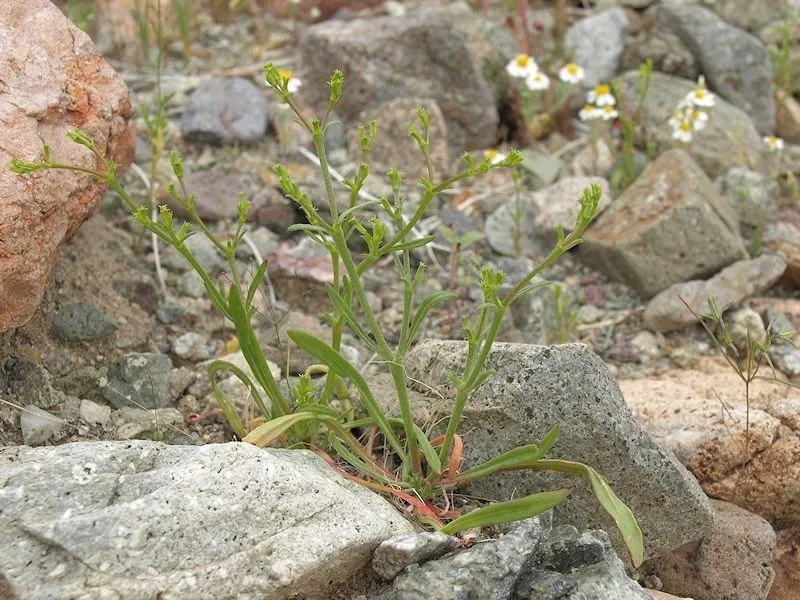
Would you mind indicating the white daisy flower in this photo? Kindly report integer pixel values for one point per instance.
(773, 143)
(601, 96)
(294, 82)
(522, 66)
(699, 119)
(538, 81)
(571, 73)
(495, 156)
(608, 112)
(700, 96)
(589, 112)
(683, 132)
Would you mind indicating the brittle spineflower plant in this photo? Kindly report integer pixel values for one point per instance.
(409, 466)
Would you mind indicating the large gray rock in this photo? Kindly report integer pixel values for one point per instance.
(668, 227)
(397, 553)
(531, 561)
(751, 15)
(666, 312)
(146, 520)
(598, 42)
(535, 387)
(732, 562)
(736, 64)
(448, 54)
(729, 139)
(223, 110)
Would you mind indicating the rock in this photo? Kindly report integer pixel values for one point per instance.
(170, 314)
(558, 204)
(729, 139)
(736, 64)
(393, 148)
(449, 54)
(787, 119)
(65, 84)
(263, 239)
(784, 239)
(583, 565)
(218, 195)
(139, 380)
(395, 554)
(745, 327)
(598, 42)
(700, 414)
(81, 322)
(595, 160)
(192, 346)
(787, 565)
(530, 561)
(299, 277)
(283, 351)
(163, 424)
(661, 45)
(750, 15)
(203, 250)
(224, 110)
(141, 519)
(668, 227)
(541, 169)
(648, 347)
(785, 356)
(732, 562)
(666, 312)
(38, 425)
(93, 413)
(191, 284)
(512, 227)
(535, 387)
(751, 194)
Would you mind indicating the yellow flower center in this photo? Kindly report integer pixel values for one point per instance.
(572, 69)
(285, 74)
(588, 107)
(491, 154)
(602, 90)
(608, 108)
(523, 60)
(700, 93)
(696, 115)
(686, 126)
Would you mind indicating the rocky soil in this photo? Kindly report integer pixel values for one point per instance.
(111, 440)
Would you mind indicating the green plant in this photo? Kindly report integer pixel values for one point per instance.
(414, 468)
(184, 15)
(785, 76)
(566, 318)
(626, 172)
(81, 13)
(745, 361)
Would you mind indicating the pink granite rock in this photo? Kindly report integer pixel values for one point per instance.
(52, 79)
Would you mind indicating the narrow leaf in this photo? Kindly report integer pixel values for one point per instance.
(518, 458)
(507, 512)
(616, 508)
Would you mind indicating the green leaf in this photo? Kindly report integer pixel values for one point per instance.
(518, 458)
(252, 351)
(616, 508)
(410, 245)
(507, 512)
(228, 409)
(268, 432)
(258, 277)
(337, 363)
(425, 306)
